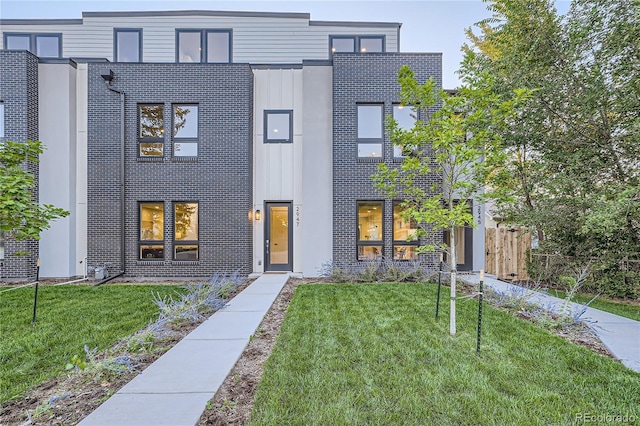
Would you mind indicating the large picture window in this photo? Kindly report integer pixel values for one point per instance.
(151, 130)
(406, 119)
(151, 244)
(370, 130)
(185, 244)
(370, 231)
(211, 46)
(405, 241)
(45, 45)
(127, 45)
(185, 130)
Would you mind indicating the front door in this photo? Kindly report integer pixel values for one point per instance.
(278, 243)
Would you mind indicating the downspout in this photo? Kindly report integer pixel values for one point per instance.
(122, 191)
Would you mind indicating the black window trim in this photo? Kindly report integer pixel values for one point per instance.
(175, 139)
(142, 140)
(115, 42)
(266, 127)
(395, 242)
(204, 43)
(356, 42)
(33, 44)
(369, 243)
(142, 242)
(370, 141)
(183, 242)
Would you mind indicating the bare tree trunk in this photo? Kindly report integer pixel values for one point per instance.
(453, 264)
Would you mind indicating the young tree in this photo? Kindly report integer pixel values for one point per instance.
(21, 217)
(456, 137)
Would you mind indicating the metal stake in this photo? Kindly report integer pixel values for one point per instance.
(35, 297)
(439, 284)
(480, 311)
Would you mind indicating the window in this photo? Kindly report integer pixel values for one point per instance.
(278, 126)
(151, 130)
(185, 244)
(1, 120)
(151, 244)
(406, 119)
(369, 239)
(352, 44)
(212, 46)
(405, 241)
(127, 45)
(370, 131)
(185, 130)
(42, 45)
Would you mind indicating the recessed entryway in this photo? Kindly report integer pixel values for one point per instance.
(278, 237)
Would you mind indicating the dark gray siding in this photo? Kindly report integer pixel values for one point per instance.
(19, 93)
(370, 78)
(220, 179)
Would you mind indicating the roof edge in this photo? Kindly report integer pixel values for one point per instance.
(40, 21)
(230, 13)
(354, 24)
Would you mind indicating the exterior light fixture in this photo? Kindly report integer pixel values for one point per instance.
(108, 77)
(258, 216)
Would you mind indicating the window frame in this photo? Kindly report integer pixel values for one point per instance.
(116, 31)
(265, 125)
(204, 44)
(142, 140)
(357, 45)
(33, 41)
(175, 139)
(369, 243)
(370, 141)
(399, 242)
(2, 120)
(177, 242)
(151, 243)
(393, 110)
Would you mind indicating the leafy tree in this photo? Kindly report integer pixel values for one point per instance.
(21, 217)
(573, 155)
(457, 138)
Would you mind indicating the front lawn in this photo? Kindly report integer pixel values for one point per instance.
(374, 355)
(68, 318)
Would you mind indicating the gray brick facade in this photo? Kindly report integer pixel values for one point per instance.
(19, 93)
(220, 179)
(370, 78)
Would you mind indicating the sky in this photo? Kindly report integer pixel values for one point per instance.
(427, 25)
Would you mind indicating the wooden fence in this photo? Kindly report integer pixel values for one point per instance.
(506, 253)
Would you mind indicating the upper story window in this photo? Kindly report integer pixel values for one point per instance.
(211, 46)
(406, 119)
(278, 126)
(370, 130)
(369, 232)
(127, 45)
(352, 44)
(45, 45)
(185, 130)
(150, 130)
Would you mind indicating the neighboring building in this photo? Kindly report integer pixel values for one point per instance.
(191, 142)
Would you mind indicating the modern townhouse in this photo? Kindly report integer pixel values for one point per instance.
(191, 142)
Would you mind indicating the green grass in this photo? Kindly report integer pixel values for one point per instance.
(68, 317)
(374, 355)
(619, 307)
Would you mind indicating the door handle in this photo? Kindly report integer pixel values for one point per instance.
(266, 244)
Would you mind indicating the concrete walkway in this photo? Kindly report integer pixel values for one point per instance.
(619, 334)
(174, 390)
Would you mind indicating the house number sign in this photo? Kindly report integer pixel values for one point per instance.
(297, 216)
